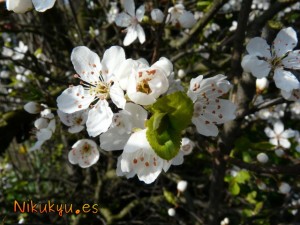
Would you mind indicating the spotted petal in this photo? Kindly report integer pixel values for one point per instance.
(285, 80)
(285, 41)
(74, 99)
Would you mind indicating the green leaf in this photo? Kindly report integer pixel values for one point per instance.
(171, 114)
(234, 188)
(242, 177)
(258, 207)
(169, 196)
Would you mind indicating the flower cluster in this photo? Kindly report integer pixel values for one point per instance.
(128, 103)
(45, 125)
(131, 20)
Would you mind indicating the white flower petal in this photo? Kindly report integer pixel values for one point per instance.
(43, 5)
(74, 99)
(288, 133)
(129, 7)
(134, 145)
(138, 115)
(113, 140)
(124, 72)
(164, 64)
(41, 123)
(117, 95)
(187, 19)
(205, 129)
(130, 36)
(292, 61)
(65, 118)
(112, 59)
(140, 13)
(123, 20)
(178, 159)
(44, 134)
(73, 159)
(86, 63)
(274, 141)
(75, 129)
(258, 68)
(278, 127)
(99, 118)
(269, 132)
(285, 80)
(19, 6)
(140, 33)
(285, 41)
(284, 143)
(258, 47)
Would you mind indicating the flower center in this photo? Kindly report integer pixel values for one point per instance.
(101, 90)
(143, 86)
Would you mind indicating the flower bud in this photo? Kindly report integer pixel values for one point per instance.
(157, 15)
(261, 84)
(32, 107)
(262, 157)
(181, 73)
(284, 188)
(171, 212)
(182, 185)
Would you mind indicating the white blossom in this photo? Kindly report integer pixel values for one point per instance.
(131, 20)
(278, 136)
(145, 84)
(84, 152)
(179, 16)
(263, 59)
(112, 13)
(209, 110)
(98, 84)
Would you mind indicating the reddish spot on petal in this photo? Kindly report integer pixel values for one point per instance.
(142, 159)
(147, 164)
(135, 161)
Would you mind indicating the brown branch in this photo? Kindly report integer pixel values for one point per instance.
(245, 94)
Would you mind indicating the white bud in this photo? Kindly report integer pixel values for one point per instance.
(279, 152)
(284, 188)
(262, 157)
(182, 185)
(261, 84)
(181, 73)
(187, 146)
(157, 15)
(171, 212)
(32, 107)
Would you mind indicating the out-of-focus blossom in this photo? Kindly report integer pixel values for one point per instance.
(262, 157)
(284, 188)
(75, 121)
(131, 20)
(33, 107)
(112, 13)
(171, 212)
(261, 84)
(278, 136)
(179, 16)
(182, 185)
